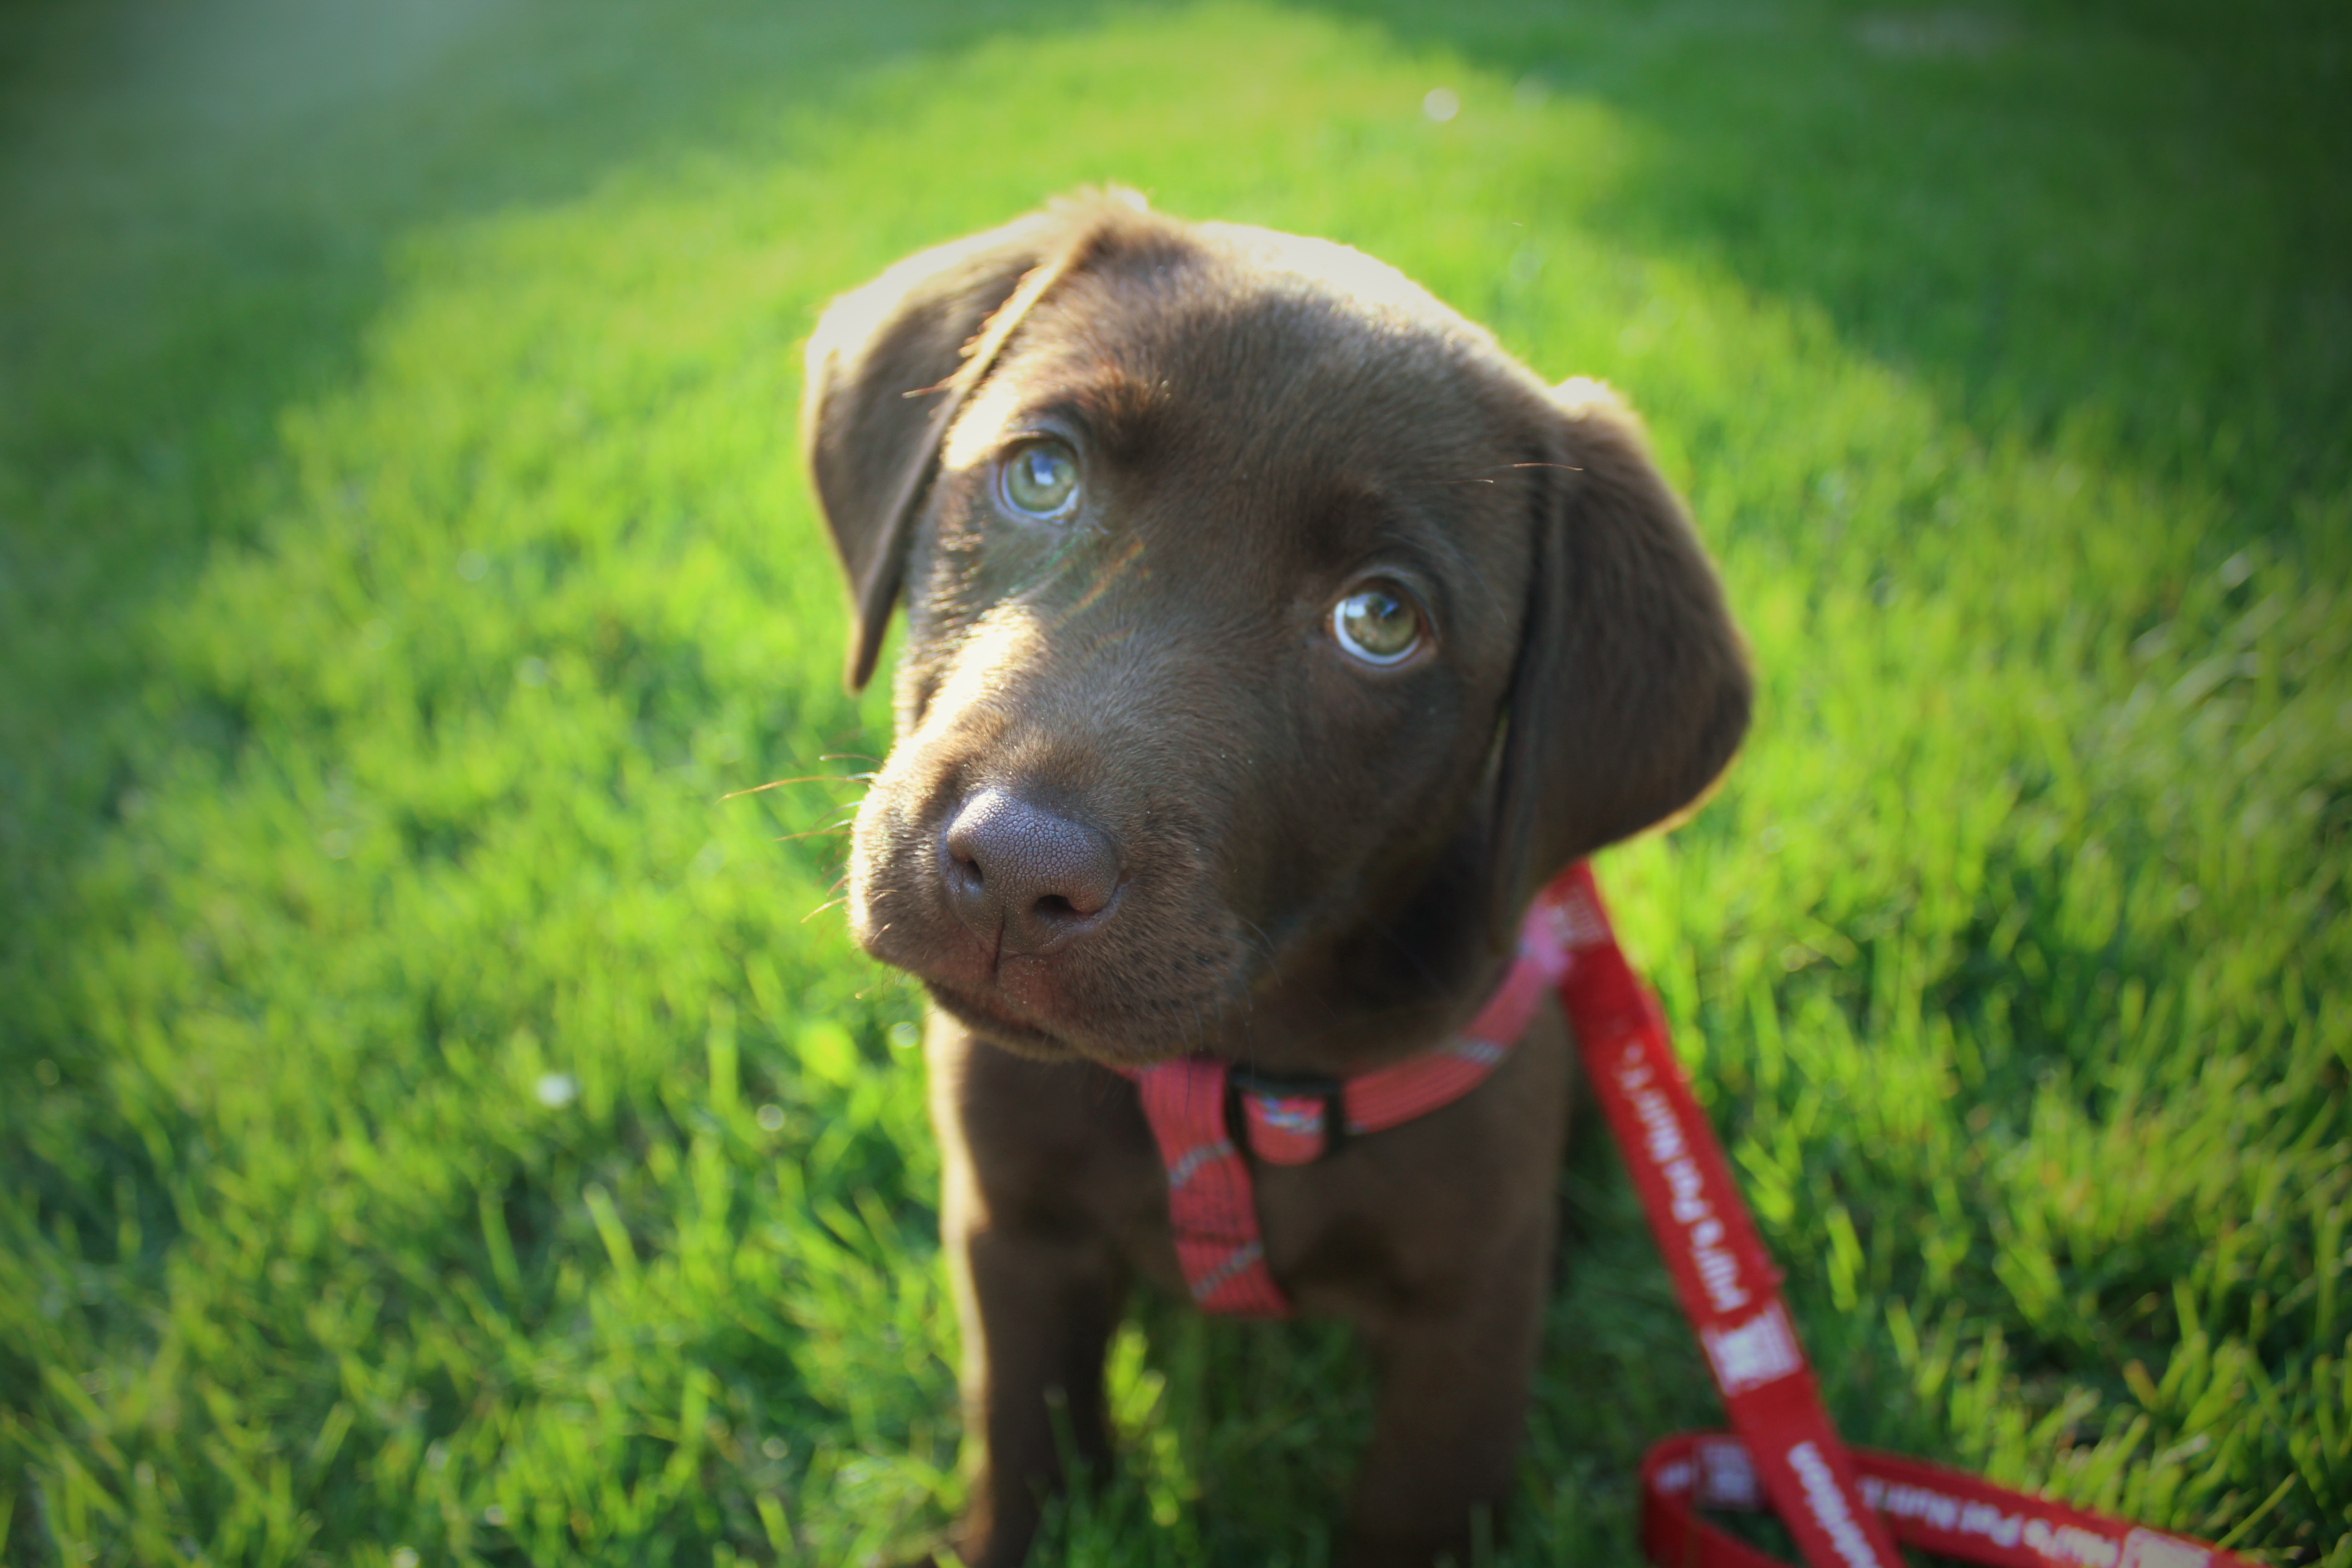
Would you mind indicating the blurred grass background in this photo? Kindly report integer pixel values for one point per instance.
(434, 1127)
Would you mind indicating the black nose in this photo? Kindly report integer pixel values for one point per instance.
(1038, 879)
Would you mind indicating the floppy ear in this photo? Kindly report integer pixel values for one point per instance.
(1632, 691)
(888, 366)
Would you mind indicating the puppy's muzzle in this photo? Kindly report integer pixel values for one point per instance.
(1023, 880)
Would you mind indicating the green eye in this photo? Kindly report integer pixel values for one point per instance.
(1041, 479)
(1377, 624)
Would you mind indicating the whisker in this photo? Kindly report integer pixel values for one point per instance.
(828, 904)
(813, 778)
(1266, 947)
(892, 980)
(811, 833)
(1265, 942)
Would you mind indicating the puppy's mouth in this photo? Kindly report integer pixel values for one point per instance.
(1118, 1042)
(988, 1015)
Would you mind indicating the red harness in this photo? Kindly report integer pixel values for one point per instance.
(1839, 1506)
(1199, 1104)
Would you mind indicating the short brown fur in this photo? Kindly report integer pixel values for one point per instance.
(1285, 858)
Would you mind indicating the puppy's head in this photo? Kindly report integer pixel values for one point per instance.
(1271, 635)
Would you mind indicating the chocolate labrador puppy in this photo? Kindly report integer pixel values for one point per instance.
(1272, 637)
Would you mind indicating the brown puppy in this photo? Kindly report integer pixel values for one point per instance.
(1272, 637)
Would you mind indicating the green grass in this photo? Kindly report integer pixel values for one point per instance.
(405, 553)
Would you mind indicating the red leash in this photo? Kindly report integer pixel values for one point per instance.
(1839, 1504)
(1847, 1508)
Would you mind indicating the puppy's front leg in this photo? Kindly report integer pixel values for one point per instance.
(1038, 1286)
(1453, 1399)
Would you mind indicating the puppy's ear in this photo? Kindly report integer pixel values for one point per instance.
(888, 366)
(1632, 691)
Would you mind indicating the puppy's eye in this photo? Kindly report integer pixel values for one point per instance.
(1041, 479)
(1377, 624)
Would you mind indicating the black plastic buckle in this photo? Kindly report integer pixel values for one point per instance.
(1242, 1080)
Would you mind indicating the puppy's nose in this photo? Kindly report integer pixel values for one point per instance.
(1041, 880)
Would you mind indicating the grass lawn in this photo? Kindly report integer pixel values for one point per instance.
(439, 1123)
